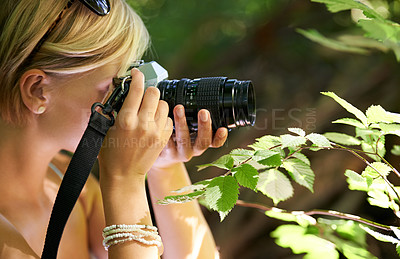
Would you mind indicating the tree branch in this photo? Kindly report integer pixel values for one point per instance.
(331, 213)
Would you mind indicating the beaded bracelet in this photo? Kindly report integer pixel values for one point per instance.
(144, 234)
(129, 227)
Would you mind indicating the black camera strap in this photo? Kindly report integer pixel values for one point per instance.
(74, 179)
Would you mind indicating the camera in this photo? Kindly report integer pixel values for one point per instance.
(231, 102)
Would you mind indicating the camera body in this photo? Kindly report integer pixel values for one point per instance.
(231, 102)
(152, 71)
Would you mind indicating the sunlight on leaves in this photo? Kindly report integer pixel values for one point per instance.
(246, 175)
(292, 141)
(343, 139)
(349, 107)
(319, 140)
(275, 185)
(221, 194)
(350, 121)
(297, 239)
(300, 172)
(181, 198)
(338, 45)
(224, 162)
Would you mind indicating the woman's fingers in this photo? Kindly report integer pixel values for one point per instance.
(161, 114)
(182, 136)
(136, 89)
(219, 137)
(149, 105)
(204, 133)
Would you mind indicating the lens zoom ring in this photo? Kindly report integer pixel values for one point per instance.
(208, 96)
(179, 92)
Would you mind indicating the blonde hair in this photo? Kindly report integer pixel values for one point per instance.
(80, 42)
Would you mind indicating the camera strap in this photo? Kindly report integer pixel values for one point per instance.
(74, 179)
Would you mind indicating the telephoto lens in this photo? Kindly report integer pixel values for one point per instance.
(231, 102)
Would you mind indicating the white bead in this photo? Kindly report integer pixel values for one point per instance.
(121, 233)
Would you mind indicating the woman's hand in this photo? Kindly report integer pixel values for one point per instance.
(181, 148)
(141, 131)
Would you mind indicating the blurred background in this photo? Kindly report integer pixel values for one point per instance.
(257, 40)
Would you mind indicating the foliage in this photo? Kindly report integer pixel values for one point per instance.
(376, 30)
(199, 29)
(273, 164)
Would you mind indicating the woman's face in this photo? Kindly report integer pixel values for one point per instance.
(70, 102)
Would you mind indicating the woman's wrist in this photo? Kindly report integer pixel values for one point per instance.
(164, 180)
(114, 178)
(125, 199)
(166, 168)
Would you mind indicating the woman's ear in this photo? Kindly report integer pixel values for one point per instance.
(34, 85)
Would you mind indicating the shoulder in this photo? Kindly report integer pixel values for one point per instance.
(12, 243)
(90, 194)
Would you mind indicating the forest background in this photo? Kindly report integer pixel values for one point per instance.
(259, 40)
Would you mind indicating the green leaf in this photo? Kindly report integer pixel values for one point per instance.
(338, 45)
(369, 135)
(343, 139)
(181, 198)
(348, 237)
(268, 157)
(292, 141)
(371, 148)
(362, 42)
(301, 157)
(356, 181)
(376, 114)
(221, 194)
(239, 155)
(297, 238)
(246, 175)
(319, 140)
(266, 142)
(275, 185)
(335, 6)
(379, 199)
(296, 216)
(396, 231)
(349, 107)
(300, 172)
(398, 249)
(380, 236)
(393, 129)
(224, 162)
(384, 31)
(297, 131)
(351, 250)
(381, 169)
(194, 187)
(350, 121)
(346, 229)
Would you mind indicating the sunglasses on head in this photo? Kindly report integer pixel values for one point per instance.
(99, 7)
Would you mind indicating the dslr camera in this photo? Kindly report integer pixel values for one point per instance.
(231, 102)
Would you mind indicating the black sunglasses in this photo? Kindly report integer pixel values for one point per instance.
(99, 7)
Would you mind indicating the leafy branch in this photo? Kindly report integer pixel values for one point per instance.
(277, 213)
(376, 30)
(272, 163)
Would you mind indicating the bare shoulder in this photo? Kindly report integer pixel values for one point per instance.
(12, 243)
(90, 193)
(92, 205)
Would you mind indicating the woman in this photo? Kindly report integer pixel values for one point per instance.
(57, 58)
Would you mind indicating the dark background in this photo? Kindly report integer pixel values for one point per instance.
(257, 40)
